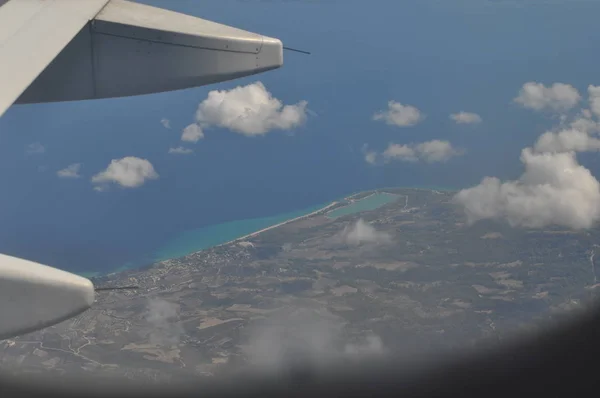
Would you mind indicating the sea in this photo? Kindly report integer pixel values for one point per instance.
(198, 239)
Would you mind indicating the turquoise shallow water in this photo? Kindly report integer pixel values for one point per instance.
(369, 203)
(202, 238)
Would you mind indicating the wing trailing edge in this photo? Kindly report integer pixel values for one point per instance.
(120, 48)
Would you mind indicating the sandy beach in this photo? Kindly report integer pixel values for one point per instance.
(253, 234)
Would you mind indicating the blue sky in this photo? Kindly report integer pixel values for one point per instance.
(439, 56)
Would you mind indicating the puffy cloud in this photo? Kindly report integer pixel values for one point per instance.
(362, 232)
(466, 118)
(180, 151)
(371, 157)
(554, 189)
(166, 329)
(433, 151)
(585, 123)
(566, 141)
(373, 346)
(300, 338)
(558, 97)
(192, 133)
(166, 123)
(71, 171)
(437, 151)
(128, 172)
(594, 99)
(400, 152)
(399, 115)
(35, 148)
(250, 110)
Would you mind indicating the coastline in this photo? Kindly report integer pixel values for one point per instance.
(253, 234)
(347, 199)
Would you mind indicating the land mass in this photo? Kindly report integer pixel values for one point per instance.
(417, 278)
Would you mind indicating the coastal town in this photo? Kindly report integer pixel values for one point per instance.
(405, 278)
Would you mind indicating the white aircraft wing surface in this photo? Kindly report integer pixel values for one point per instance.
(35, 296)
(64, 50)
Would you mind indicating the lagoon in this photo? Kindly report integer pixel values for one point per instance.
(206, 237)
(367, 203)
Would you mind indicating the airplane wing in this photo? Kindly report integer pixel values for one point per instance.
(64, 50)
(35, 296)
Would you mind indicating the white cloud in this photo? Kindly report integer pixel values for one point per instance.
(594, 99)
(180, 151)
(128, 172)
(558, 97)
(554, 189)
(299, 337)
(71, 171)
(400, 152)
(437, 151)
(566, 141)
(585, 123)
(362, 232)
(35, 148)
(250, 110)
(399, 115)
(371, 157)
(373, 346)
(166, 329)
(433, 151)
(166, 123)
(192, 133)
(466, 118)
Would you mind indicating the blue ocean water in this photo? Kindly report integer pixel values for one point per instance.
(205, 237)
(197, 239)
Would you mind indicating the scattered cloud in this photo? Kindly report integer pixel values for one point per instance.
(402, 152)
(370, 155)
(362, 232)
(433, 151)
(466, 118)
(35, 148)
(166, 328)
(304, 338)
(128, 172)
(566, 141)
(192, 133)
(594, 99)
(399, 115)
(180, 151)
(559, 97)
(370, 347)
(437, 151)
(71, 171)
(584, 122)
(249, 110)
(554, 188)
(166, 123)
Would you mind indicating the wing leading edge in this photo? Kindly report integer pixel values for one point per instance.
(65, 50)
(116, 48)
